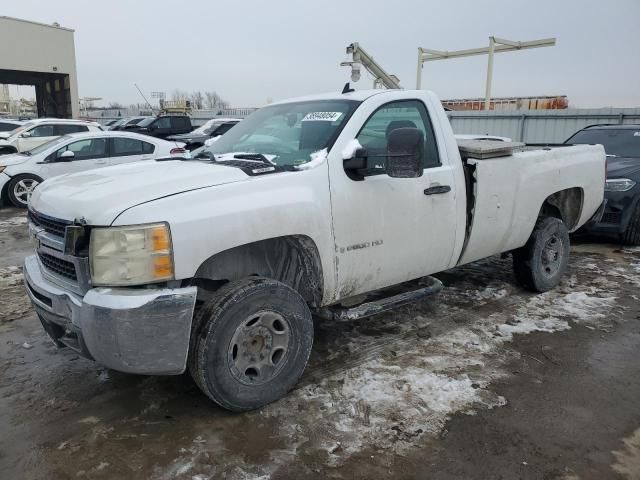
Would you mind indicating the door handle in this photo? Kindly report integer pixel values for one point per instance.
(437, 190)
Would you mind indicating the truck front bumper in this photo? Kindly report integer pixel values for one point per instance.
(143, 331)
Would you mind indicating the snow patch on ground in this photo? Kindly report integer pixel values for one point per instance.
(13, 222)
(392, 401)
(10, 276)
(628, 458)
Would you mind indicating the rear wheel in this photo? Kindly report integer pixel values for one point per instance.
(20, 189)
(251, 343)
(541, 263)
(631, 236)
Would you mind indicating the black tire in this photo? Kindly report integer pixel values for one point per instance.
(15, 191)
(225, 360)
(631, 235)
(541, 263)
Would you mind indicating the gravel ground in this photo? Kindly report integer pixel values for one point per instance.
(484, 380)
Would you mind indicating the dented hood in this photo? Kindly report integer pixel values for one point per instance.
(99, 196)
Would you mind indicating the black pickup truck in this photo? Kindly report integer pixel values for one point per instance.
(162, 126)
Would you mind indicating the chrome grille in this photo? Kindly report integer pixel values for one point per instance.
(58, 266)
(48, 224)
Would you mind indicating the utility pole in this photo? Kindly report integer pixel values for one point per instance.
(496, 45)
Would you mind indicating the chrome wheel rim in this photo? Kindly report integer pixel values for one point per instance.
(23, 189)
(552, 256)
(259, 348)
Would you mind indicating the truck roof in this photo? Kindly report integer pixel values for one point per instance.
(358, 95)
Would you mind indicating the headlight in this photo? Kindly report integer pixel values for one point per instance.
(619, 185)
(131, 255)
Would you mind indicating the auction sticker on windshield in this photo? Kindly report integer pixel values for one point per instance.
(322, 116)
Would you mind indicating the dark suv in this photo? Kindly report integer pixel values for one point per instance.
(620, 215)
(163, 126)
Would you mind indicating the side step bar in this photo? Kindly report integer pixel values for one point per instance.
(424, 287)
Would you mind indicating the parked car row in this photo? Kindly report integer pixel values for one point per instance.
(174, 127)
(22, 172)
(33, 133)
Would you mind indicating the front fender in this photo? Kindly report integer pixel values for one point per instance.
(208, 221)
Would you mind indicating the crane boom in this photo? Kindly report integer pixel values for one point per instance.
(361, 57)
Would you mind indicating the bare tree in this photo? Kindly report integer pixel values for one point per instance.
(197, 100)
(179, 95)
(115, 105)
(214, 101)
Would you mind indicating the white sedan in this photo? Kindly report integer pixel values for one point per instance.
(21, 172)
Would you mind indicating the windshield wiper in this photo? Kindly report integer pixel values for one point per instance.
(252, 156)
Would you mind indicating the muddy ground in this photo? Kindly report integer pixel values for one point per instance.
(483, 381)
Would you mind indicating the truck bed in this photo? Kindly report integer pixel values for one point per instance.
(508, 182)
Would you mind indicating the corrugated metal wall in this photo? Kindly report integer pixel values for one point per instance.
(535, 126)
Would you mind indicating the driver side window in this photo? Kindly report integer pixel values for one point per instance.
(85, 149)
(375, 133)
(163, 122)
(42, 131)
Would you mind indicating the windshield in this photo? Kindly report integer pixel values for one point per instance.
(21, 128)
(623, 142)
(46, 146)
(289, 133)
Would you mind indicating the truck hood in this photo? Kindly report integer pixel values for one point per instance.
(12, 159)
(99, 196)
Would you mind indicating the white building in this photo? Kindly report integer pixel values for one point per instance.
(43, 56)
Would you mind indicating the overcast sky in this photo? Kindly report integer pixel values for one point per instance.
(251, 51)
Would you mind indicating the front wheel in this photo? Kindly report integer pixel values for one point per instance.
(250, 343)
(20, 189)
(541, 263)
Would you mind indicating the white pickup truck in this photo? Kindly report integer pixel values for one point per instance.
(217, 263)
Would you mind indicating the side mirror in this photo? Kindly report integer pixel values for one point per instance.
(25, 134)
(405, 149)
(66, 156)
(355, 165)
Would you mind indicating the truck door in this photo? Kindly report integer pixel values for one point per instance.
(389, 230)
